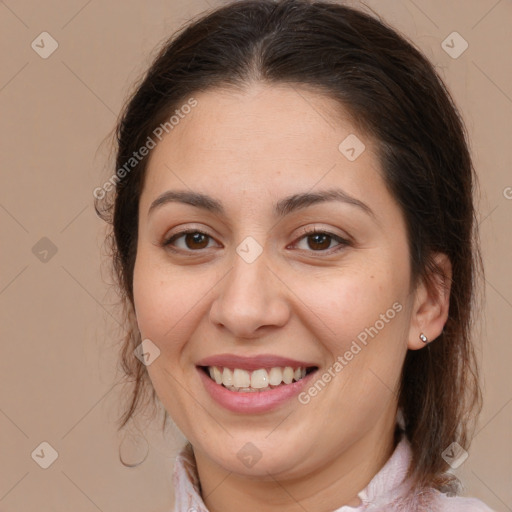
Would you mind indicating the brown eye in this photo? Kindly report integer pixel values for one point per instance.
(320, 241)
(193, 240)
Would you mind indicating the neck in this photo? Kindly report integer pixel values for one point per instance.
(335, 484)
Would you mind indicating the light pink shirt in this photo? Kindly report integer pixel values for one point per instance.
(386, 492)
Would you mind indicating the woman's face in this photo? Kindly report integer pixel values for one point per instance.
(258, 292)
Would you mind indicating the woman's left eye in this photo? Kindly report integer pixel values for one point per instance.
(194, 240)
(320, 241)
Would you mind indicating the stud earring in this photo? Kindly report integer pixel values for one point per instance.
(423, 338)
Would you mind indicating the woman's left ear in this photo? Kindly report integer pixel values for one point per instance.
(431, 304)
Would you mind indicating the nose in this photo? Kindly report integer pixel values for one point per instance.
(252, 300)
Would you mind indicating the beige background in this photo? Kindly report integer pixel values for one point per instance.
(58, 364)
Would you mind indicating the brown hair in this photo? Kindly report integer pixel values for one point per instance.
(396, 97)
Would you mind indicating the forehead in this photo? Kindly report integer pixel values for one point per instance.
(264, 140)
(260, 118)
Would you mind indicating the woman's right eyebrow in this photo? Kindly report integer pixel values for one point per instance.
(187, 197)
(283, 207)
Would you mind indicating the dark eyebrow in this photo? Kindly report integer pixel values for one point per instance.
(299, 201)
(282, 208)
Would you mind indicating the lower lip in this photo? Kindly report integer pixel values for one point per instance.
(256, 401)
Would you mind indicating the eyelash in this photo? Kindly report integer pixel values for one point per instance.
(342, 241)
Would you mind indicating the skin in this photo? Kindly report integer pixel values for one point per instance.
(300, 298)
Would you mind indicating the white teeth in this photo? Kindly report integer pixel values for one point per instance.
(258, 380)
(227, 377)
(217, 375)
(241, 378)
(275, 376)
(288, 375)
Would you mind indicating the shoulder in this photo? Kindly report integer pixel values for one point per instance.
(461, 504)
(432, 500)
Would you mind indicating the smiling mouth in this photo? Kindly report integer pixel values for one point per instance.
(263, 379)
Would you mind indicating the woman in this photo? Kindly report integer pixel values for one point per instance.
(294, 238)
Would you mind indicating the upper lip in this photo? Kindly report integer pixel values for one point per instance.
(252, 363)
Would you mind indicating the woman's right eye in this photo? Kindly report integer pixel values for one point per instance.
(192, 240)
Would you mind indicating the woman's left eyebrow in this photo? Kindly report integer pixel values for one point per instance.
(283, 207)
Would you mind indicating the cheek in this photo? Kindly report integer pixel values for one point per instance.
(168, 302)
(349, 302)
(362, 320)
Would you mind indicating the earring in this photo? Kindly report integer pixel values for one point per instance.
(423, 338)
